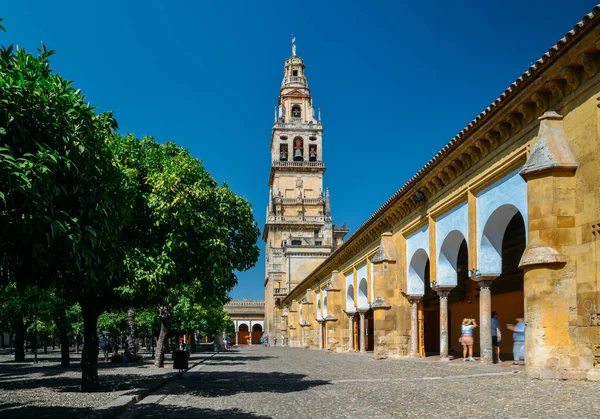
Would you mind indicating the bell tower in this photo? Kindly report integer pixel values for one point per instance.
(299, 233)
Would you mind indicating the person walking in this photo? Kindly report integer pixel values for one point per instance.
(518, 340)
(262, 340)
(496, 337)
(275, 342)
(466, 338)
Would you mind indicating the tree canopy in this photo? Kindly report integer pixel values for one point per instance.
(102, 220)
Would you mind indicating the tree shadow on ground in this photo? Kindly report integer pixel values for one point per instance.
(218, 384)
(108, 382)
(146, 411)
(46, 412)
(171, 411)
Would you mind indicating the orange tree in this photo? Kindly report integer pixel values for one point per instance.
(188, 235)
(63, 201)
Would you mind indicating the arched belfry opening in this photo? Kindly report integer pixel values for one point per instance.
(298, 149)
(296, 113)
(312, 152)
(283, 152)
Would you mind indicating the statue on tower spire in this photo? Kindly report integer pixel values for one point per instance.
(293, 46)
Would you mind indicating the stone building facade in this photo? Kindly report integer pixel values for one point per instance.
(299, 232)
(248, 317)
(506, 217)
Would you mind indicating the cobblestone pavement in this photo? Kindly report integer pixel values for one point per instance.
(262, 382)
(29, 390)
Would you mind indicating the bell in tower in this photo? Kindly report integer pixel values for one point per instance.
(298, 149)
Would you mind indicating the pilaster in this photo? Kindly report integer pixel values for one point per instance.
(549, 260)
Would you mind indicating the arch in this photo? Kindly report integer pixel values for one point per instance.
(283, 152)
(363, 301)
(298, 149)
(416, 272)
(319, 314)
(312, 152)
(296, 112)
(490, 243)
(496, 205)
(448, 258)
(243, 327)
(350, 298)
(256, 328)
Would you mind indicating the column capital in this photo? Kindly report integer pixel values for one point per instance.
(349, 313)
(413, 299)
(484, 281)
(362, 311)
(443, 291)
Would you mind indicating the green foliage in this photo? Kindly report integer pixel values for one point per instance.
(96, 221)
(113, 322)
(186, 231)
(147, 323)
(61, 205)
(229, 326)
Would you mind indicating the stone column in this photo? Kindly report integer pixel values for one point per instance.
(350, 315)
(361, 338)
(414, 325)
(443, 292)
(485, 317)
(321, 342)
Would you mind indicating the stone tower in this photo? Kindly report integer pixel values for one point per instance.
(299, 233)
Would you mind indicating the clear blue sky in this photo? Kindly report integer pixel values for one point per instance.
(395, 80)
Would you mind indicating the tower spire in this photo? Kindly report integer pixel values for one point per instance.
(293, 46)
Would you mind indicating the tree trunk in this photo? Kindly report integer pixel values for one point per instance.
(65, 360)
(89, 355)
(45, 344)
(152, 343)
(165, 322)
(19, 339)
(131, 331)
(77, 343)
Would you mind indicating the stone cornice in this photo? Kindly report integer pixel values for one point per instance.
(560, 72)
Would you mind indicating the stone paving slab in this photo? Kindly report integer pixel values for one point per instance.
(263, 382)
